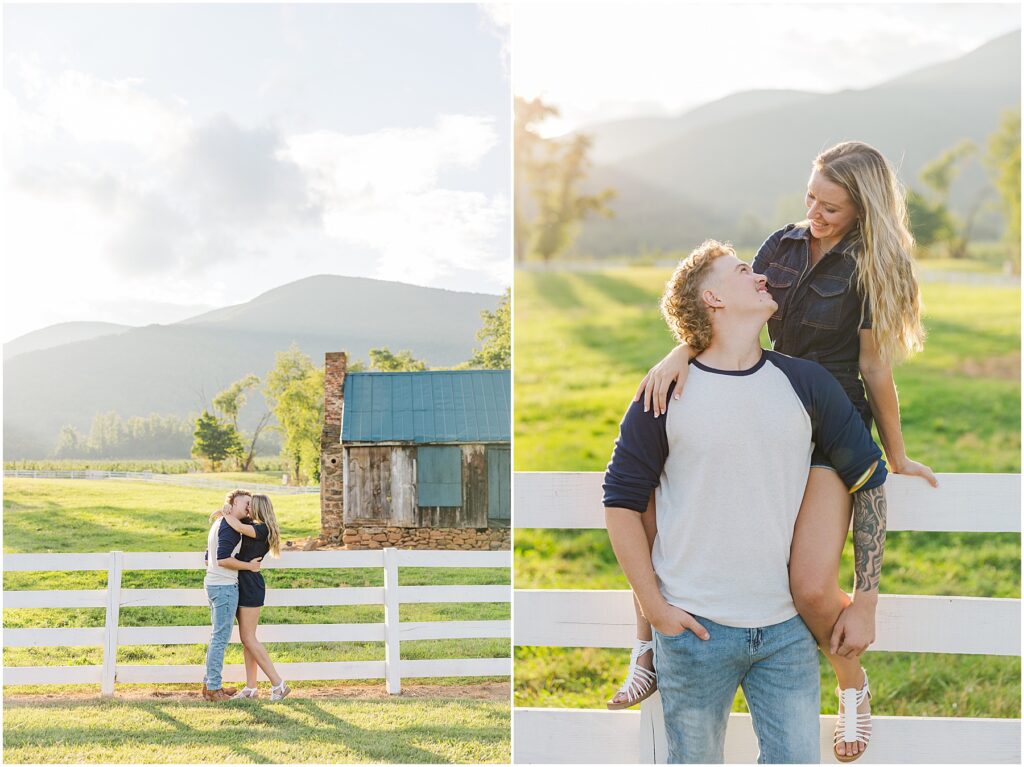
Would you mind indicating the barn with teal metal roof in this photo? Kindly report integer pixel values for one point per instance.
(426, 450)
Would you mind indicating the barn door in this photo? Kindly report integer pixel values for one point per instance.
(499, 490)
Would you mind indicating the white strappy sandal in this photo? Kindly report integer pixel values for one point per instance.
(640, 682)
(852, 726)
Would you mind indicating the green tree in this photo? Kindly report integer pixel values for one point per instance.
(294, 389)
(300, 413)
(70, 444)
(550, 172)
(230, 402)
(215, 440)
(384, 360)
(930, 221)
(496, 335)
(939, 175)
(1002, 157)
(531, 164)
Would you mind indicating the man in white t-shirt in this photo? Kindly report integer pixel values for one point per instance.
(727, 465)
(222, 543)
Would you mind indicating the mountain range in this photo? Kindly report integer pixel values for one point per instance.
(737, 168)
(66, 374)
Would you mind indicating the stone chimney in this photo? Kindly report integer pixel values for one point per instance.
(332, 479)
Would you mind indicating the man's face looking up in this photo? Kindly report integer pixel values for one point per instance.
(733, 286)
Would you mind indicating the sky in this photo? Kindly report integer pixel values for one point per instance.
(162, 160)
(609, 61)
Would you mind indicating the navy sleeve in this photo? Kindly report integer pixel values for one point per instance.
(227, 539)
(766, 251)
(837, 428)
(840, 433)
(637, 460)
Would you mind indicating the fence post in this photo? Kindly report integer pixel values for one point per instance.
(392, 648)
(111, 624)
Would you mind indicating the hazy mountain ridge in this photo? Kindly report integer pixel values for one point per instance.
(176, 369)
(729, 171)
(59, 334)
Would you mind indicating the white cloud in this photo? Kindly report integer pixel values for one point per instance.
(78, 106)
(381, 191)
(497, 19)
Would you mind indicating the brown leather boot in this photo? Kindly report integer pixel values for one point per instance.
(228, 690)
(216, 696)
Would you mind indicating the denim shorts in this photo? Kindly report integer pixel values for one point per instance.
(777, 667)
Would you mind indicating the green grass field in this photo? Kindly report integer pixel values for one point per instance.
(583, 342)
(89, 516)
(305, 730)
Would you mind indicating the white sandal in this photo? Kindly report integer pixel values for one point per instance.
(640, 682)
(246, 692)
(855, 727)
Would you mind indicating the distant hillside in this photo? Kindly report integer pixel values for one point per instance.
(618, 139)
(177, 369)
(727, 168)
(63, 333)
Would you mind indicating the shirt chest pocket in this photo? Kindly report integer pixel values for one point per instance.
(824, 301)
(780, 283)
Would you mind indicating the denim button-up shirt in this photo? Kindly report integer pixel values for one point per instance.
(819, 316)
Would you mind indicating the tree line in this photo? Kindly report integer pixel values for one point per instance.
(294, 392)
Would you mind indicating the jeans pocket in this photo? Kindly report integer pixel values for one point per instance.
(672, 636)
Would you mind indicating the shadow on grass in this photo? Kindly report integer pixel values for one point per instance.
(621, 291)
(247, 723)
(555, 289)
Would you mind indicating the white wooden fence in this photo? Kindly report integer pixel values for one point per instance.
(392, 632)
(967, 625)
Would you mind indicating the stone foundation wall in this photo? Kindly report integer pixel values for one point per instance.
(464, 538)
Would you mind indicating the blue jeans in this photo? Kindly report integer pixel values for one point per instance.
(223, 606)
(777, 666)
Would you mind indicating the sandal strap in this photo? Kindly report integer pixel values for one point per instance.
(639, 679)
(851, 724)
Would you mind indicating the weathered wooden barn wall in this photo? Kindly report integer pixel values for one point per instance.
(381, 489)
(381, 485)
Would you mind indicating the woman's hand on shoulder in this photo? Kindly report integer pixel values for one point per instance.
(911, 468)
(654, 388)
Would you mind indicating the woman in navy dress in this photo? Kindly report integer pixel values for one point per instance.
(848, 298)
(260, 536)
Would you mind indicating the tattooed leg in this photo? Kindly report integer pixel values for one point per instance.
(869, 512)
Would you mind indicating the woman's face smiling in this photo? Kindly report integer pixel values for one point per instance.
(829, 209)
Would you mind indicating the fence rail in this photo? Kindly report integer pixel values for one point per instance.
(392, 631)
(933, 624)
(185, 480)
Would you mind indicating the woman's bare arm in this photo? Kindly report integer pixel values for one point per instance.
(885, 407)
(239, 526)
(654, 387)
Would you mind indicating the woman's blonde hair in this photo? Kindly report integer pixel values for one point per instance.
(682, 305)
(885, 267)
(262, 511)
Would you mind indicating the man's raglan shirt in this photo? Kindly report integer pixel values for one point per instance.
(221, 543)
(728, 464)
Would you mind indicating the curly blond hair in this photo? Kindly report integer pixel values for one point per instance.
(681, 305)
